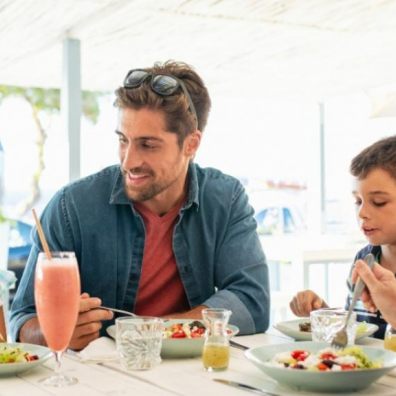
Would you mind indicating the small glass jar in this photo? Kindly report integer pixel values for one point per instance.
(216, 350)
(390, 338)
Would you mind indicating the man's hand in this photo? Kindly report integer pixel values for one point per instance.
(87, 328)
(89, 321)
(306, 301)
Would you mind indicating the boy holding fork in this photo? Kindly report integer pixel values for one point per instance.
(374, 170)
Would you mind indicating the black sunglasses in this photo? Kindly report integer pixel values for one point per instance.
(161, 84)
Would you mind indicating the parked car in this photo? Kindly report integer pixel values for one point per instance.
(18, 249)
(19, 243)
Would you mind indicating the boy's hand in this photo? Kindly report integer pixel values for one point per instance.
(306, 301)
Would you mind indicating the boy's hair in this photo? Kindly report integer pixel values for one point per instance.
(175, 107)
(381, 154)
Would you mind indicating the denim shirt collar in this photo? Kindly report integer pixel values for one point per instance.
(118, 196)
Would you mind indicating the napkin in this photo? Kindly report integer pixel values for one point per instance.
(102, 349)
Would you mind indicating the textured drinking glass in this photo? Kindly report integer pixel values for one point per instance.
(57, 296)
(139, 341)
(326, 322)
(216, 351)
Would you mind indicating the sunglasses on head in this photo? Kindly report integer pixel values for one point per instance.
(161, 84)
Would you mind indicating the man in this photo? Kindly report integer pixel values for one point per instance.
(158, 235)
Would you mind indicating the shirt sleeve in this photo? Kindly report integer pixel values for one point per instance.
(241, 270)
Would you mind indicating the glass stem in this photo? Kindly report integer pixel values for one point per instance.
(58, 357)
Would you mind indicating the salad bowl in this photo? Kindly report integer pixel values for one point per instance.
(174, 345)
(38, 353)
(185, 347)
(349, 380)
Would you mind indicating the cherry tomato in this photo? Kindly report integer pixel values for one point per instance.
(179, 334)
(350, 366)
(322, 367)
(198, 332)
(299, 355)
(327, 356)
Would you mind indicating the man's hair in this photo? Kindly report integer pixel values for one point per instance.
(178, 117)
(381, 154)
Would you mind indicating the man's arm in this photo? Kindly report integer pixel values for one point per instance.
(30, 332)
(195, 313)
(241, 272)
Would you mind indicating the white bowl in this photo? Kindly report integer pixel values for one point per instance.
(43, 353)
(329, 381)
(179, 347)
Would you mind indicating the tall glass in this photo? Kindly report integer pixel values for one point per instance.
(57, 295)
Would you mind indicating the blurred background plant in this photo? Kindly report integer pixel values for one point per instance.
(42, 101)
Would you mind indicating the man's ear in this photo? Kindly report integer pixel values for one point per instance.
(192, 143)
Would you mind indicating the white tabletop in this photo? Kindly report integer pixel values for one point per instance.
(182, 377)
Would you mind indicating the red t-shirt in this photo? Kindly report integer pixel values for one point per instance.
(160, 290)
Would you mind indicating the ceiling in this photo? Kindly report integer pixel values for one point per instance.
(241, 47)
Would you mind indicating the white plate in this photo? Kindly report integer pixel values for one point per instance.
(317, 381)
(291, 329)
(43, 354)
(179, 347)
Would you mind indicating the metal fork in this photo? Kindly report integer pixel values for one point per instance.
(118, 311)
(340, 339)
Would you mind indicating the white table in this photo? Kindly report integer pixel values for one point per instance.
(181, 377)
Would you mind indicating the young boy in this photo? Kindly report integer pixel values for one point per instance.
(374, 170)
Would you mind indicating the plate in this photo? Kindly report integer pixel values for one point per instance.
(334, 381)
(179, 347)
(7, 369)
(291, 329)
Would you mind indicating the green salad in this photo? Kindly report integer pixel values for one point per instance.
(328, 359)
(12, 354)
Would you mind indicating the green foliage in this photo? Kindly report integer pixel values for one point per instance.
(2, 217)
(48, 99)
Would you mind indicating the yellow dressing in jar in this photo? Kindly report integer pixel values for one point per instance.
(216, 356)
(390, 338)
(216, 350)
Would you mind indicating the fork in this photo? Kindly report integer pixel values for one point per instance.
(118, 311)
(340, 339)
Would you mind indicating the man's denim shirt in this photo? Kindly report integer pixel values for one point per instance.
(217, 250)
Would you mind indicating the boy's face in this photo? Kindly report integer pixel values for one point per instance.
(376, 207)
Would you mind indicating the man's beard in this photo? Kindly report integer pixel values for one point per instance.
(149, 192)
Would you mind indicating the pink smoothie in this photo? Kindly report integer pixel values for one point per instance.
(57, 294)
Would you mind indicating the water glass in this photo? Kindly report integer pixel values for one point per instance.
(326, 322)
(139, 341)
